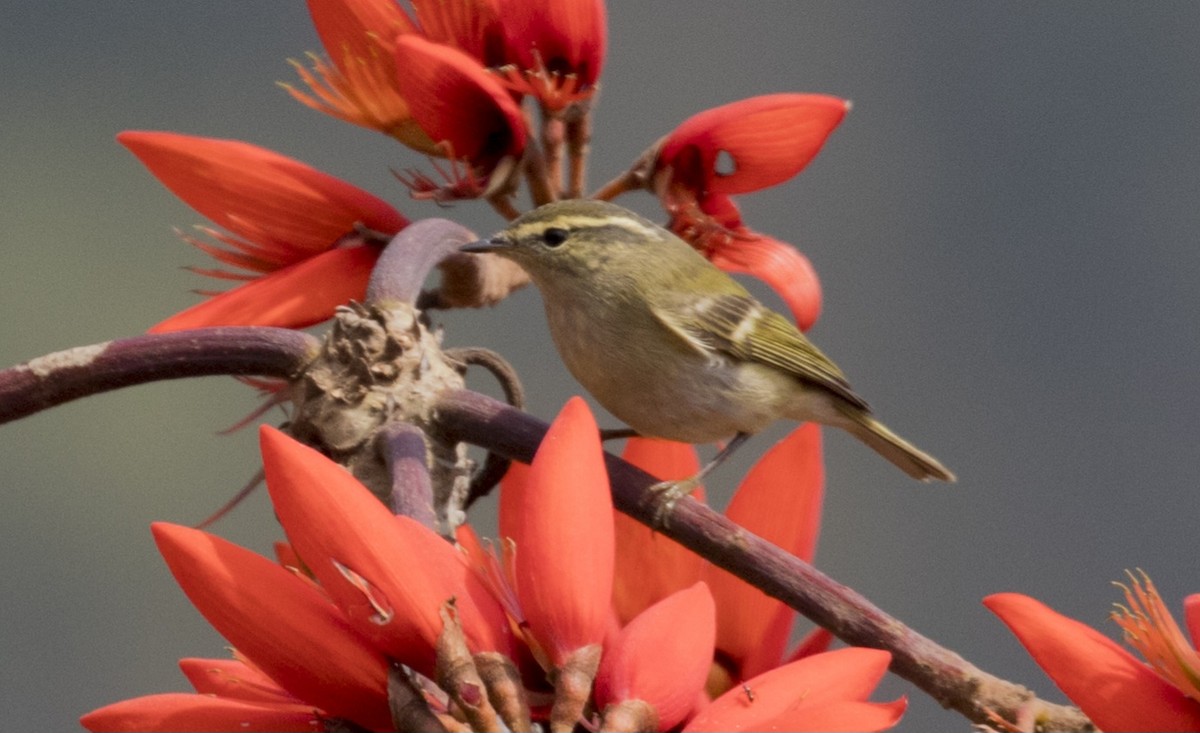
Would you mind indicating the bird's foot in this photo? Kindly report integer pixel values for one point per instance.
(665, 495)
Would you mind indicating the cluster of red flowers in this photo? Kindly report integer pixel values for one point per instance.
(358, 589)
(455, 82)
(624, 624)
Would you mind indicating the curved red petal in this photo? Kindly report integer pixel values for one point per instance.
(753, 627)
(809, 684)
(1113, 688)
(560, 36)
(650, 566)
(767, 140)
(389, 574)
(780, 266)
(294, 297)
(260, 195)
(564, 536)
(233, 678)
(455, 100)
(662, 657)
(279, 622)
(187, 712)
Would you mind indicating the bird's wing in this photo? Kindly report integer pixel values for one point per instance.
(739, 327)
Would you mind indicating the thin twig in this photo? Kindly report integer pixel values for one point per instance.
(579, 143)
(553, 137)
(944, 675)
(537, 174)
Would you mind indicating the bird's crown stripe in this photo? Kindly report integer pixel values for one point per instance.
(579, 221)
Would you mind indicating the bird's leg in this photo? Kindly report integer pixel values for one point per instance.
(667, 493)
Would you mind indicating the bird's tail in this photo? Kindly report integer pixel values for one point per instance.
(907, 457)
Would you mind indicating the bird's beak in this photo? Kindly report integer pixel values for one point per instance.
(495, 244)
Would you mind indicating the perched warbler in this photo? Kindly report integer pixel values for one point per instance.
(672, 345)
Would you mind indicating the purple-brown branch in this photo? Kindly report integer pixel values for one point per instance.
(462, 415)
(944, 675)
(51, 380)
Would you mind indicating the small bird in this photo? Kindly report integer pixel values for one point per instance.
(673, 346)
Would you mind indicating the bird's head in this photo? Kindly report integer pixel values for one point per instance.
(579, 239)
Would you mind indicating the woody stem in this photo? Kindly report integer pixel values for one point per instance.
(947, 677)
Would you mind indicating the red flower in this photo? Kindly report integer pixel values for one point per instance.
(752, 627)
(767, 140)
(464, 109)
(232, 678)
(560, 518)
(281, 623)
(1110, 685)
(179, 711)
(661, 658)
(299, 664)
(738, 148)
(649, 565)
(423, 82)
(291, 226)
(824, 692)
(389, 574)
(557, 47)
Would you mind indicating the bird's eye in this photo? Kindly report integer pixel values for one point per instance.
(554, 236)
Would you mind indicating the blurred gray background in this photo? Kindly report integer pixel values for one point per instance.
(1006, 227)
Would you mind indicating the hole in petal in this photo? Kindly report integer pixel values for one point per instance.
(383, 610)
(724, 164)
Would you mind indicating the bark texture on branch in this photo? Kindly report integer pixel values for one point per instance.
(53, 379)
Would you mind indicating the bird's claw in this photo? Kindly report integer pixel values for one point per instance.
(665, 495)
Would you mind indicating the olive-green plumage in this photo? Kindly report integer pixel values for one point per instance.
(672, 345)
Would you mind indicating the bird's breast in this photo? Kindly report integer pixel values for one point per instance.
(657, 384)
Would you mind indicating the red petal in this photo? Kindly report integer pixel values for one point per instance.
(454, 99)
(186, 712)
(564, 536)
(807, 685)
(1191, 617)
(357, 28)
(389, 574)
(769, 139)
(233, 678)
(650, 566)
(294, 297)
(281, 623)
(262, 196)
(662, 657)
(753, 627)
(472, 26)
(779, 265)
(560, 36)
(1114, 689)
